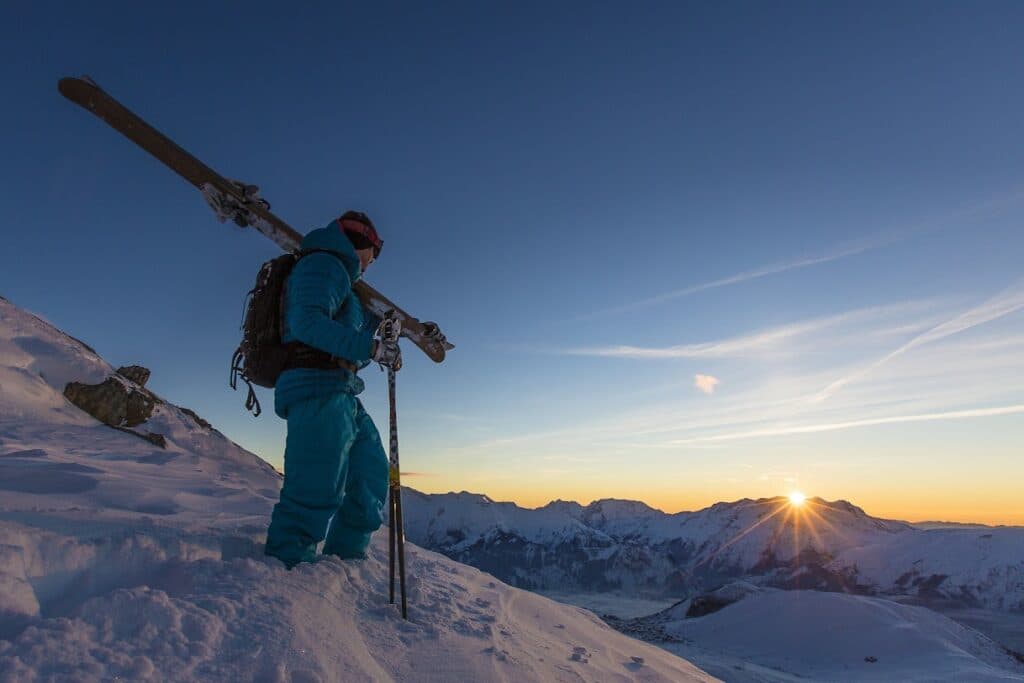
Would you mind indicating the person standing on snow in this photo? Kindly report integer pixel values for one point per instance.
(335, 467)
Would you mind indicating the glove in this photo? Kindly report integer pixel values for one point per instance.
(388, 354)
(385, 348)
(390, 328)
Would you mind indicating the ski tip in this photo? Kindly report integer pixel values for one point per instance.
(69, 85)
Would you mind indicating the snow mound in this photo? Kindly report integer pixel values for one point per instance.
(775, 635)
(120, 560)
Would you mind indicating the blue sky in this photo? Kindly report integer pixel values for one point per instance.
(814, 207)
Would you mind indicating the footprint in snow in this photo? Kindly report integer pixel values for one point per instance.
(579, 654)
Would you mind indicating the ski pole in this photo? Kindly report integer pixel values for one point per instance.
(396, 532)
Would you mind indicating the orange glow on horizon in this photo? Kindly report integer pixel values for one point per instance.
(903, 504)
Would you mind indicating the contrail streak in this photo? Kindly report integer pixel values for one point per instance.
(1006, 302)
(833, 426)
(735, 346)
(735, 279)
(966, 211)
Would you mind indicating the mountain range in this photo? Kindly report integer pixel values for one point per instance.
(628, 547)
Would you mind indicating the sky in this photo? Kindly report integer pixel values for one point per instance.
(688, 252)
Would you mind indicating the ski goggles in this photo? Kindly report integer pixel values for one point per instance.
(361, 235)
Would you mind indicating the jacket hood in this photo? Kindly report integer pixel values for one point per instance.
(331, 238)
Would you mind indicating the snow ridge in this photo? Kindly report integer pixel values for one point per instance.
(628, 547)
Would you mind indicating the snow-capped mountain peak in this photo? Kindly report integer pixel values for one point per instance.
(630, 547)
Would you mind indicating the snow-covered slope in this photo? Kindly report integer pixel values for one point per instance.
(49, 446)
(156, 604)
(774, 635)
(628, 547)
(121, 560)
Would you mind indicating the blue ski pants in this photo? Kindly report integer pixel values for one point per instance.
(335, 481)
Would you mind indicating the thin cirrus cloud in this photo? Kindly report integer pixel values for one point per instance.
(1003, 304)
(967, 211)
(755, 342)
(851, 424)
(937, 382)
(930, 386)
(738, 278)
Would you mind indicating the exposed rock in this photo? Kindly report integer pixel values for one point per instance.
(140, 407)
(705, 604)
(107, 402)
(135, 373)
(157, 439)
(121, 402)
(112, 402)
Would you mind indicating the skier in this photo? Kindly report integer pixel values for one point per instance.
(335, 467)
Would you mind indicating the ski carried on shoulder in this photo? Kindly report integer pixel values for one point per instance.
(234, 200)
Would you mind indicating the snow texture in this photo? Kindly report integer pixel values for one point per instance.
(123, 561)
(774, 635)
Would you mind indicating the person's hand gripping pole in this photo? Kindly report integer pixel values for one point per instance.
(385, 348)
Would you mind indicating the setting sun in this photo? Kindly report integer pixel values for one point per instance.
(797, 498)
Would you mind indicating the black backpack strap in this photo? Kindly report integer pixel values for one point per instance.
(252, 403)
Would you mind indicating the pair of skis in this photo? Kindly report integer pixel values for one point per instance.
(241, 203)
(238, 201)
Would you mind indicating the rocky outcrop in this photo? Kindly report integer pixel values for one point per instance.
(120, 401)
(135, 373)
(113, 401)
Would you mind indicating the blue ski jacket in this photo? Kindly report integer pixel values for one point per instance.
(321, 310)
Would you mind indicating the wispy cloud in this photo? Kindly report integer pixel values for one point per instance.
(852, 424)
(705, 383)
(756, 341)
(947, 216)
(938, 379)
(745, 276)
(1006, 302)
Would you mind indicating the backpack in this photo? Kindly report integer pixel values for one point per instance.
(261, 357)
